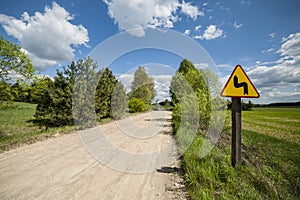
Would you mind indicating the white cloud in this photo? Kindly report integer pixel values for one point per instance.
(47, 37)
(162, 86)
(139, 14)
(197, 28)
(191, 10)
(210, 33)
(187, 32)
(279, 82)
(126, 80)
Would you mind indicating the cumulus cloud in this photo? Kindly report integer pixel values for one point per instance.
(191, 10)
(139, 14)
(210, 33)
(281, 80)
(49, 37)
(162, 86)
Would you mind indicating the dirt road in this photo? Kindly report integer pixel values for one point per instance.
(83, 165)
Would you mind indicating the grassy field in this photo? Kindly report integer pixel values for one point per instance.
(271, 160)
(16, 130)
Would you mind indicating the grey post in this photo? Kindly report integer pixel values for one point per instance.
(236, 117)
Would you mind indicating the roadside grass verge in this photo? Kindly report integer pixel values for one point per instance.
(270, 166)
(16, 128)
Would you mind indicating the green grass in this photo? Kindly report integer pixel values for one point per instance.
(270, 155)
(16, 130)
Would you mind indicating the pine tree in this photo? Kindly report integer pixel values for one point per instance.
(104, 90)
(84, 94)
(70, 97)
(118, 101)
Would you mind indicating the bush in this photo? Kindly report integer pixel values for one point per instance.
(136, 105)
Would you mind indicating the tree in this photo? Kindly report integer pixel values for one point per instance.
(70, 97)
(5, 92)
(104, 90)
(118, 101)
(142, 88)
(84, 94)
(37, 89)
(190, 83)
(55, 107)
(13, 61)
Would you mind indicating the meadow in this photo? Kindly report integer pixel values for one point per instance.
(16, 129)
(270, 166)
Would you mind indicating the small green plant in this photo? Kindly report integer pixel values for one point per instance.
(136, 105)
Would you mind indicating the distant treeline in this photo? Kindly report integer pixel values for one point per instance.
(282, 104)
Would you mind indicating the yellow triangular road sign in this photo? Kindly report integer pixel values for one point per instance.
(239, 85)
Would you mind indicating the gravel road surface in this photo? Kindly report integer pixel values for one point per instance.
(127, 159)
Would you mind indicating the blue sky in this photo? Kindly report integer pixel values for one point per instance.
(262, 36)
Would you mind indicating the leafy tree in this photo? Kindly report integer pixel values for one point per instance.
(141, 79)
(188, 82)
(104, 90)
(5, 92)
(13, 61)
(37, 89)
(143, 92)
(119, 101)
(142, 88)
(19, 91)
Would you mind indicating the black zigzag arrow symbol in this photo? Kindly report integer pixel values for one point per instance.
(242, 84)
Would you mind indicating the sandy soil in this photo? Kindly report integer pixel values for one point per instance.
(69, 167)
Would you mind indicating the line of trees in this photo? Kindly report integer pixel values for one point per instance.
(78, 94)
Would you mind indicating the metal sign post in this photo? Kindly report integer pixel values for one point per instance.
(238, 86)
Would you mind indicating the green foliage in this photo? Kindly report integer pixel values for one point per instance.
(5, 92)
(13, 60)
(37, 89)
(55, 108)
(187, 82)
(142, 88)
(104, 90)
(119, 101)
(137, 105)
(143, 92)
(84, 94)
